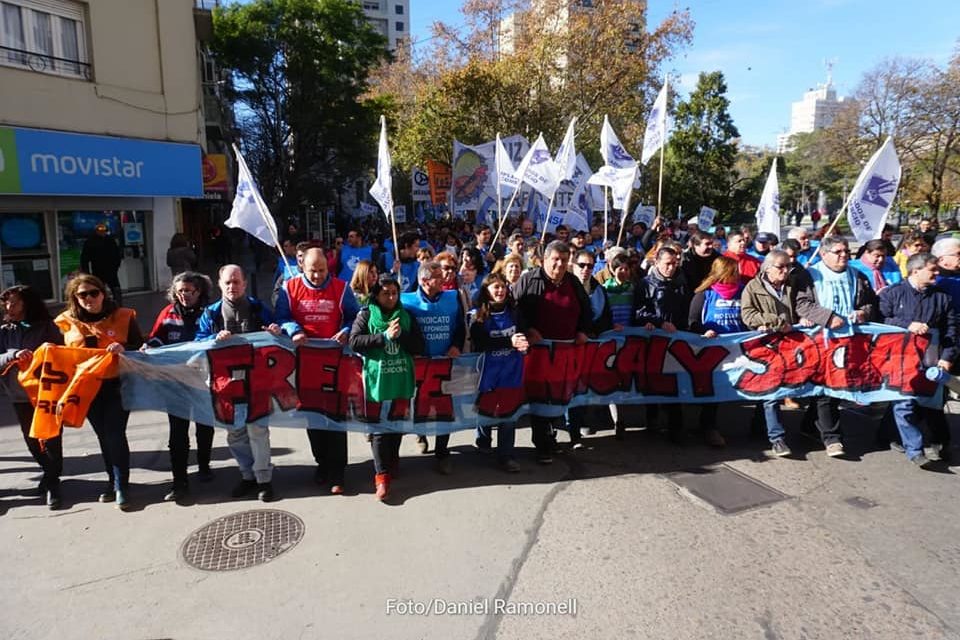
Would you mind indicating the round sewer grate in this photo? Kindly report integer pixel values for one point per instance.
(242, 540)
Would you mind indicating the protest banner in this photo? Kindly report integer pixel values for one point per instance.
(262, 379)
(440, 178)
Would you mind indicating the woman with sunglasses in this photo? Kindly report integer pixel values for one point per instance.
(26, 326)
(93, 320)
(188, 294)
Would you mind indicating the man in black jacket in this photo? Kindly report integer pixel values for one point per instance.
(918, 305)
(551, 305)
(101, 257)
(662, 301)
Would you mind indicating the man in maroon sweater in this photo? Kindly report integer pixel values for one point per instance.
(551, 305)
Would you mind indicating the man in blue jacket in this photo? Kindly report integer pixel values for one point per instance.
(919, 305)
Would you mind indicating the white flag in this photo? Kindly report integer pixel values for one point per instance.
(656, 134)
(612, 151)
(873, 193)
(566, 160)
(382, 189)
(620, 182)
(768, 211)
(507, 180)
(537, 169)
(249, 211)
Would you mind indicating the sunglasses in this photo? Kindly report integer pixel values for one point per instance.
(90, 293)
(585, 265)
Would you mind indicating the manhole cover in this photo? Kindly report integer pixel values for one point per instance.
(242, 540)
(726, 489)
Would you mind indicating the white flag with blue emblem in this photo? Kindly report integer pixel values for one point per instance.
(249, 211)
(656, 134)
(768, 211)
(566, 159)
(537, 169)
(613, 153)
(873, 193)
(382, 189)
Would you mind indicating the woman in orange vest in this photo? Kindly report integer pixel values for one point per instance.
(92, 319)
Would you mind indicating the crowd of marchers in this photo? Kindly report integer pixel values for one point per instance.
(457, 287)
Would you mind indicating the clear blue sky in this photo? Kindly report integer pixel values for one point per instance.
(772, 51)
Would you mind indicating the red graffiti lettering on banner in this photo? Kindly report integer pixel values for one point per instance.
(859, 362)
(226, 391)
(700, 366)
(500, 403)
(334, 383)
(641, 360)
(598, 374)
(431, 404)
(269, 379)
(551, 372)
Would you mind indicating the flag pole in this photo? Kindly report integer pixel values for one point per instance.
(264, 211)
(504, 218)
(546, 220)
(626, 208)
(606, 222)
(663, 143)
(499, 191)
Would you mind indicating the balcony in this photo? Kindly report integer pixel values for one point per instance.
(44, 63)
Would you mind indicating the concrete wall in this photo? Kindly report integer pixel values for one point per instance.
(145, 77)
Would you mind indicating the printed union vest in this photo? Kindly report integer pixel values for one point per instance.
(113, 328)
(349, 257)
(501, 368)
(436, 319)
(723, 316)
(316, 310)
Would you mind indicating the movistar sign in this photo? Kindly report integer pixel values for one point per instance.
(41, 162)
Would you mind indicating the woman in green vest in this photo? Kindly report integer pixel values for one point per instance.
(387, 337)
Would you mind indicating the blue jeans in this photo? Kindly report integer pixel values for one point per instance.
(506, 438)
(906, 413)
(109, 421)
(771, 411)
(250, 446)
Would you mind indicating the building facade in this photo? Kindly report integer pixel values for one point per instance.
(391, 18)
(815, 111)
(101, 122)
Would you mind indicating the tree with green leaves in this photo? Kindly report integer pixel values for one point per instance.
(299, 74)
(701, 152)
(520, 67)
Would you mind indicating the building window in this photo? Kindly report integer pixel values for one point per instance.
(399, 26)
(399, 9)
(371, 6)
(44, 35)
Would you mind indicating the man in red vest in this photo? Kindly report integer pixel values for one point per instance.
(315, 304)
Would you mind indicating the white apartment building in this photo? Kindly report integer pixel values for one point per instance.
(815, 111)
(391, 18)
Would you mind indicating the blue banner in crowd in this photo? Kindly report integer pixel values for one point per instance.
(265, 380)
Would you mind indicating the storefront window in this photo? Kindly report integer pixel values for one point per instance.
(125, 229)
(25, 253)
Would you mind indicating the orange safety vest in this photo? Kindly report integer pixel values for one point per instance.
(61, 382)
(113, 328)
